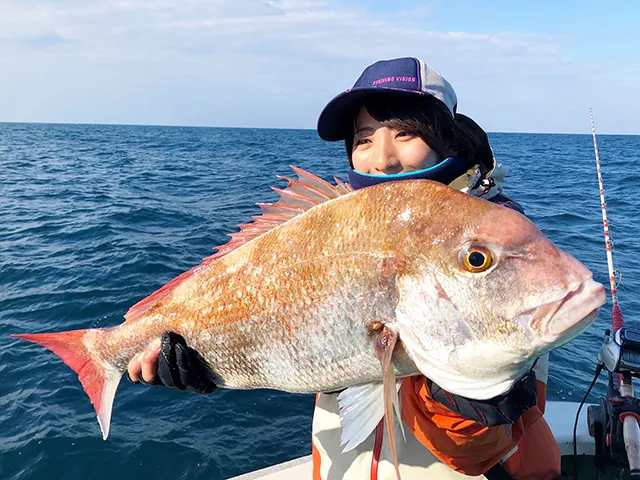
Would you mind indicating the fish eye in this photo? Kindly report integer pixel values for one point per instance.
(476, 259)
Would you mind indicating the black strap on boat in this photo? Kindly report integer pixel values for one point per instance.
(498, 472)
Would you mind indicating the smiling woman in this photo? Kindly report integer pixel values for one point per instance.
(383, 142)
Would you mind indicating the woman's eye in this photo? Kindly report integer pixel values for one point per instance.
(404, 134)
(360, 141)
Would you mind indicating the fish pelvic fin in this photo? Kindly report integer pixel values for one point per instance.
(362, 407)
(385, 345)
(98, 378)
(297, 197)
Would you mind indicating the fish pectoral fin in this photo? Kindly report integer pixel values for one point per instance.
(361, 409)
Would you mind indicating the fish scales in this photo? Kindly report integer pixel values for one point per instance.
(285, 317)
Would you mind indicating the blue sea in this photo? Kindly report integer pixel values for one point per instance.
(94, 218)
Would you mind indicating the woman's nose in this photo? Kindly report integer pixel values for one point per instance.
(386, 159)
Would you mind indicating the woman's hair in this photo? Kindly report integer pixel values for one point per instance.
(473, 134)
(427, 118)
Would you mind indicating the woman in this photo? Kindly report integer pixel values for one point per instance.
(399, 122)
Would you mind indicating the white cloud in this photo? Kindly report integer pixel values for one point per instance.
(255, 62)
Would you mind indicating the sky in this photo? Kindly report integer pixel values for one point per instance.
(516, 66)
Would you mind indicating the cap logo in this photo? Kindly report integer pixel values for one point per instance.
(393, 79)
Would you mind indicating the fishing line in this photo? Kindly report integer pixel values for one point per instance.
(575, 425)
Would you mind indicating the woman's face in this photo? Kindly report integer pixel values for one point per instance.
(380, 150)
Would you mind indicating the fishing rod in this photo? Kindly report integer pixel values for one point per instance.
(617, 319)
(614, 423)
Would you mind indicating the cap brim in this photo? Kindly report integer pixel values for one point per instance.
(336, 119)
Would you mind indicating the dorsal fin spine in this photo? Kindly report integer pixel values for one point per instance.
(297, 197)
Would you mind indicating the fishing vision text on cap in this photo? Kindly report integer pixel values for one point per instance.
(405, 76)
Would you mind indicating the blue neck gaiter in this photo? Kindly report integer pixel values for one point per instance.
(444, 172)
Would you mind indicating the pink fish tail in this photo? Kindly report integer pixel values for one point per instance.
(97, 377)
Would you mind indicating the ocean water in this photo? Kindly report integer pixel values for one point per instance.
(94, 218)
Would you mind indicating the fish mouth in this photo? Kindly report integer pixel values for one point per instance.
(569, 316)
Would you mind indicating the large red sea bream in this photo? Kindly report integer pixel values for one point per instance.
(333, 288)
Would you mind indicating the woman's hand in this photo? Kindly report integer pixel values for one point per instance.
(170, 362)
(145, 363)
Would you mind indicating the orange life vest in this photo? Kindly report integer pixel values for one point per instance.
(527, 448)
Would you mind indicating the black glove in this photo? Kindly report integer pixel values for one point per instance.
(181, 367)
(501, 410)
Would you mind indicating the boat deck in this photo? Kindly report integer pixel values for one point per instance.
(559, 415)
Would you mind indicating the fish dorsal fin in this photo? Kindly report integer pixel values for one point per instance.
(297, 197)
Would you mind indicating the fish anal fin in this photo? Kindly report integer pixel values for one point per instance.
(296, 198)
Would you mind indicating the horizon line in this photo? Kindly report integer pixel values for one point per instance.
(270, 128)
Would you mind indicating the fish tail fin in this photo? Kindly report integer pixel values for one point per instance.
(99, 379)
